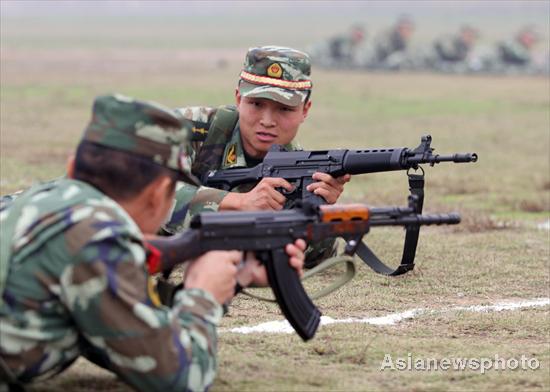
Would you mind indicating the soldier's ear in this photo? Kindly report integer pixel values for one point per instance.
(70, 166)
(306, 108)
(237, 97)
(161, 189)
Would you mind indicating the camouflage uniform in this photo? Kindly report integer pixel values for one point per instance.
(394, 40)
(514, 53)
(215, 147)
(452, 48)
(343, 48)
(78, 284)
(517, 51)
(390, 46)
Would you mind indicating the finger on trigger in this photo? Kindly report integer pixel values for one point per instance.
(280, 182)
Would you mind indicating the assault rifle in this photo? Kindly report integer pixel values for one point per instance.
(297, 167)
(267, 232)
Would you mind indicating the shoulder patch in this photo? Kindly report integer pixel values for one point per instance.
(231, 156)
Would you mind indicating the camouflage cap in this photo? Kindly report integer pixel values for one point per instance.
(146, 129)
(276, 73)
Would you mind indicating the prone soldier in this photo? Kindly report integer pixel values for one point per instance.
(456, 48)
(517, 51)
(391, 45)
(74, 258)
(343, 47)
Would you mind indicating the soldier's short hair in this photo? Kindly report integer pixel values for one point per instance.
(117, 173)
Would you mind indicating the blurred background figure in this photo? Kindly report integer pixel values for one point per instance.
(518, 50)
(456, 47)
(390, 47)
(343, 47)
(454, 53)
(342, 50)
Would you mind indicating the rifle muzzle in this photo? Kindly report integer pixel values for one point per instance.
(457, 158)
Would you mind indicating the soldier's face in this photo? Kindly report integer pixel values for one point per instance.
(528, 40)
(468, 37)
(265, 122)
(406, 31)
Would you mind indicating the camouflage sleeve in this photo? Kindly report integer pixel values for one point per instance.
(192, 200)
(514, 53)
(113, 302)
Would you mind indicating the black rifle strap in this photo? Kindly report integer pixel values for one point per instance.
(7, 376)
(416, 187)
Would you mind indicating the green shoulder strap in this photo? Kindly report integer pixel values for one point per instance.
(220, 130)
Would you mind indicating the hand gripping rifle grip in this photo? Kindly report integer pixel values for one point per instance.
(297, 307)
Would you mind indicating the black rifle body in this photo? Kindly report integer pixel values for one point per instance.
(297, 167)
(267, 232)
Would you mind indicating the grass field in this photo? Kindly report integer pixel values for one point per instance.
(499, 252)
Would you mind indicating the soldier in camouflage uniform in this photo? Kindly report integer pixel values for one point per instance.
(272, 100)
(457, 47)
(392, 44)
(342, 48)
(517, 51)
(74, 262)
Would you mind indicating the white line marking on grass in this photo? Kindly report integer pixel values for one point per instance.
(282, 326)
(544, 225)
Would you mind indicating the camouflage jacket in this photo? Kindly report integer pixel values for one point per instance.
(452, 48)
(191, 200)
(78, 284)
(513, 52)
(388, 43)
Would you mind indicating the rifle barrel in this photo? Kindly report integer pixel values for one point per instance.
(416, 219)
(466, 157)
(433, 159)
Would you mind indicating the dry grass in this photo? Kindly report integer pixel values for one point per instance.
(478, 222)
(542, 205)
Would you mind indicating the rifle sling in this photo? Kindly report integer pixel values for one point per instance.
(416, 187)
(344, 278)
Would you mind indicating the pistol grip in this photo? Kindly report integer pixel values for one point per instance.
(310, 197)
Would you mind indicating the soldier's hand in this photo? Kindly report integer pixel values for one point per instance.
(328, 187)
(215, 272)
(263, 196)
(254, 274)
